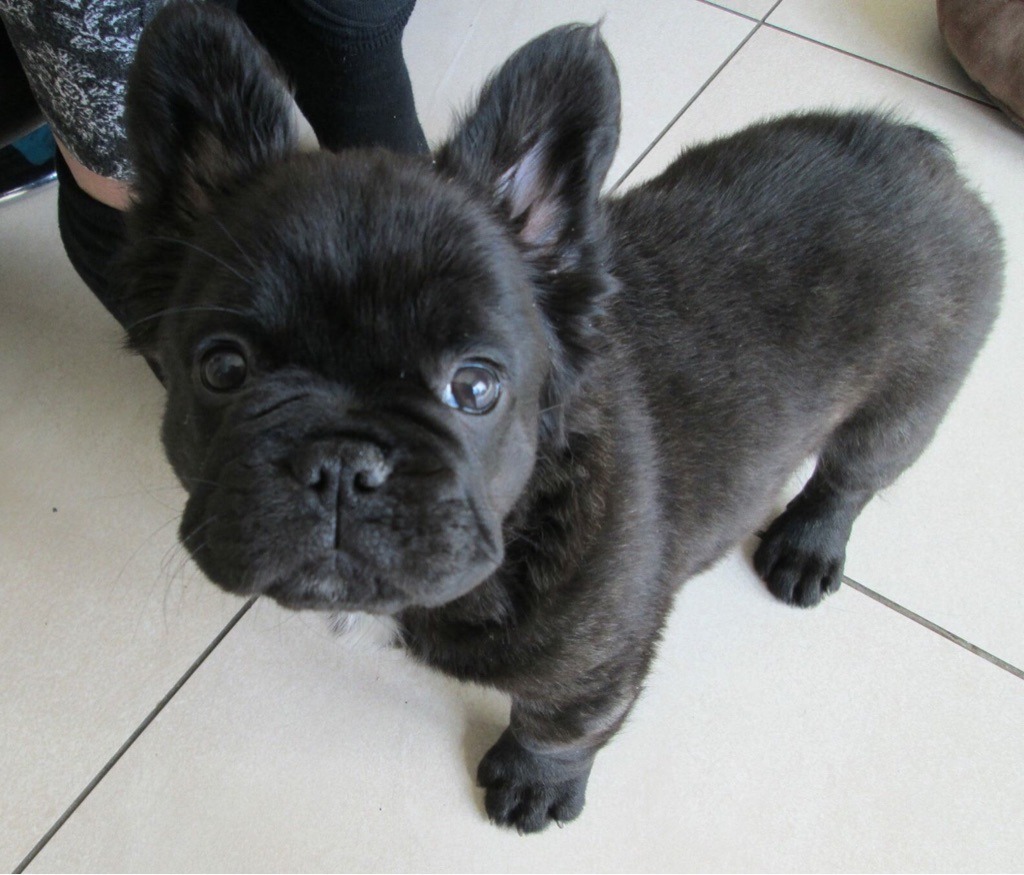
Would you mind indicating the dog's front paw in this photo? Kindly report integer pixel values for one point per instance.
(529, 790)
(801, 560)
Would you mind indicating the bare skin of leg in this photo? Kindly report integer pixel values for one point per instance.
(116, 193)
(112, 192)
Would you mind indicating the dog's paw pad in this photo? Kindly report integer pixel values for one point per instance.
(801, 579)
(800, 566)
(528, 791)
(531, 807)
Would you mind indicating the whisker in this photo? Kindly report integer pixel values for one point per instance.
(522, 538)
(178, 556)
(120, 577)
(188, 244)
(139, 548)
(273, 408)
(238, 246)
(197, 530)
(199, 481)
(186, 309)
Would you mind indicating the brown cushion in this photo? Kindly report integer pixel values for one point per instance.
(987, 38)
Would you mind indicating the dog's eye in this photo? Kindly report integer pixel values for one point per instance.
(474, 388)
(224, 369)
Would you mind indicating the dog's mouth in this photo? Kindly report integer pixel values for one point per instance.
(395, 551)
(325, 600)
(333, 582)
(371, 594)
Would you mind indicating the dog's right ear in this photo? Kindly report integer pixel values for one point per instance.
(206, 109)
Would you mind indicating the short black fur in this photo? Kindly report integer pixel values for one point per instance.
(656, 365)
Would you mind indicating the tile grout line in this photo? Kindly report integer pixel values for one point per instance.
(736, 12)
(693, 97)
(952, 637)
(758, 23)
(912, 76)
(52, 831)
(933, 627)
(983, 101)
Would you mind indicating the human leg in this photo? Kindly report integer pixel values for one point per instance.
(345, 59)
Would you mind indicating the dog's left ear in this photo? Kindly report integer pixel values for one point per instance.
(538, 146)
(541, 139)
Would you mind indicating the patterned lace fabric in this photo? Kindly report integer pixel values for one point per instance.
(76, 54)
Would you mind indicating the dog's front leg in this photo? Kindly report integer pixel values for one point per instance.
(537, 771)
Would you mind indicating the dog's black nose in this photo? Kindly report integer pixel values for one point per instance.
(341, 470)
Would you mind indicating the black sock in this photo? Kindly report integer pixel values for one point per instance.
(93, 235)
(344, 58)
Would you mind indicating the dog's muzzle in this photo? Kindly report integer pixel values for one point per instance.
(376, 516)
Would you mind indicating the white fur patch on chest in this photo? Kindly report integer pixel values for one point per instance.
(365, 631)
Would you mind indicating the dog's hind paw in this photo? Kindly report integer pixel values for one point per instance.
(527, 790)
(800, 560)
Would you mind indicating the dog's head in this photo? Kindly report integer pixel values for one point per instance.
(363, 352)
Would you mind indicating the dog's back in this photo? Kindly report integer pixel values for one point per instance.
(778, 281)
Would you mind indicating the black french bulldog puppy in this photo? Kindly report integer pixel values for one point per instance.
(475, 396)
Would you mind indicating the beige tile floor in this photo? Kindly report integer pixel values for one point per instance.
(143, 728)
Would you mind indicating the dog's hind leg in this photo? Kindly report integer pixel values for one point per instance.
(802, 554)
